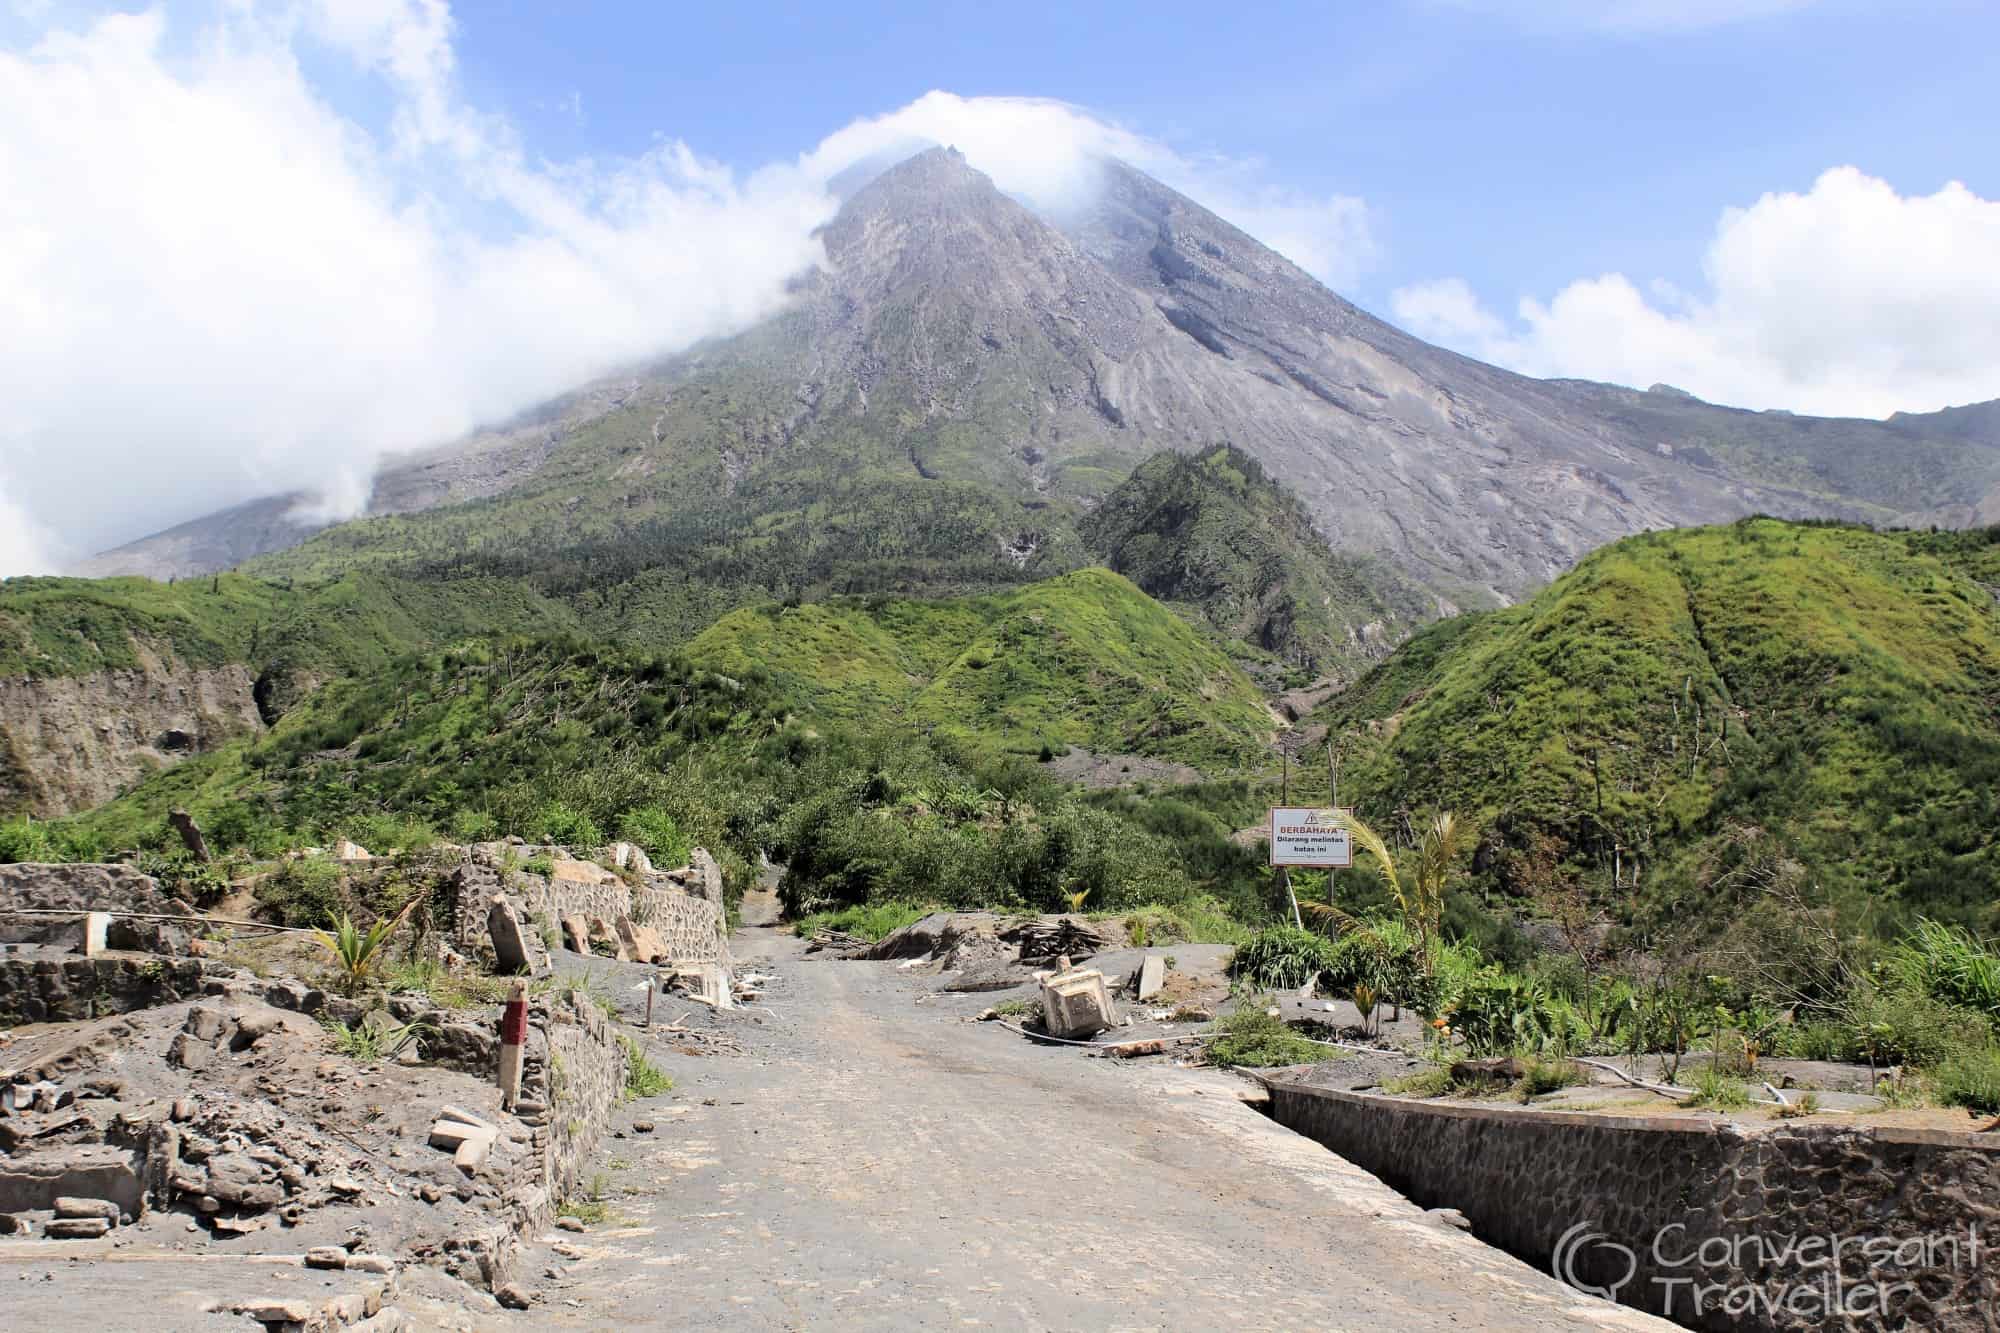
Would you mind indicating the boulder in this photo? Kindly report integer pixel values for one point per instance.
(576, 935)
(706, 882)
(351, 851)
(642, 943)
(627, 856)
(602, 933)
(187, 1051)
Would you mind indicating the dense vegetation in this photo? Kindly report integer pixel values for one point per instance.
(1711, 717)
(1213, 534)
(1084, 659)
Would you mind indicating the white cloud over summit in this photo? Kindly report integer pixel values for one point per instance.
(1847, 300)
(218, 284)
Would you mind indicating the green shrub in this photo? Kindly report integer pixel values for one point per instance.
(867, 921)
(656, 832)
(1948, 964)
(1907, 1028)
(562, 824)
(642, 1077)
(1282, 958)
(475, 826)
(1718, 1091)
(36, 840)
(1971, 1079)
(202, 883)
(304, 892)
(543, 865)
(1546, 1076)
(1253, 1039)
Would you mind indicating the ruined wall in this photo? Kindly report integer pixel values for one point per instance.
(73, 742)
(1669, 1201)
(66, 990)
(86, 888)
(577, 1080)
(692, 927)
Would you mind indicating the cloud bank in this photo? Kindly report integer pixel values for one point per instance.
(220, 285)
(1847, 300)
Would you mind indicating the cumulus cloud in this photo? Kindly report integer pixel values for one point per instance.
(1847, 300)
(218, 284)
(1050, 152)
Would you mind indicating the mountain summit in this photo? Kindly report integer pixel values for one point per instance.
(970, 355)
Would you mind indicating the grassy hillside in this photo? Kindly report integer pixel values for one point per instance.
(1084, 659)
(575, 743)
(1716, 711)
(65, 627)
(1214, 535)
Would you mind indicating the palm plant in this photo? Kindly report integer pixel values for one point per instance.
(1418, 885)
(356, 953)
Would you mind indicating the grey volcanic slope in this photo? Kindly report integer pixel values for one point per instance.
(956, 336)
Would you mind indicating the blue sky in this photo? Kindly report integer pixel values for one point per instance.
(254, 246)
(1517, 145)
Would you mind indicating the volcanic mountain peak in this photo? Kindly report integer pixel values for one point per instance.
(956, 336)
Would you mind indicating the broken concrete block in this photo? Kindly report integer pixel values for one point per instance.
(370, 1263)
(1077, 1005)
(464, 1117)
(326, 1256)
(449, 1134)
(76, 1228)
(1152, 976)
(70, 1206)
(16, 1224)
(515, 949)
(472, 1152)
(190, 1052)
(275, 1311)
(576, 935)
(351, 851)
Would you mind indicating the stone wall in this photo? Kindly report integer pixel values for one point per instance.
(1688, 1217)
(691, 926)
(43, 989)
(577, 1075)
(72, 888)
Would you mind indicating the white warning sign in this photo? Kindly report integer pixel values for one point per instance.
(1308, 837)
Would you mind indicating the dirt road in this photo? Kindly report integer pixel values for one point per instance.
(872, 1161)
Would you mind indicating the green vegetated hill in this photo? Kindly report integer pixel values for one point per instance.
(1214, 535)
(575, 743)
(65, 626)
(1084, 659)
(1715, 713)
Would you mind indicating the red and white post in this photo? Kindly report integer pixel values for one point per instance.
(513, 1044)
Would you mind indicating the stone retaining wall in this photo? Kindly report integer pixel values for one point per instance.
(582, 1079)
(45, 989)
(1690, 1217)
(691, 926)
(73, 888)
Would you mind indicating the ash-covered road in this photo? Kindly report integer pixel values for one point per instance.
(871, 1161)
